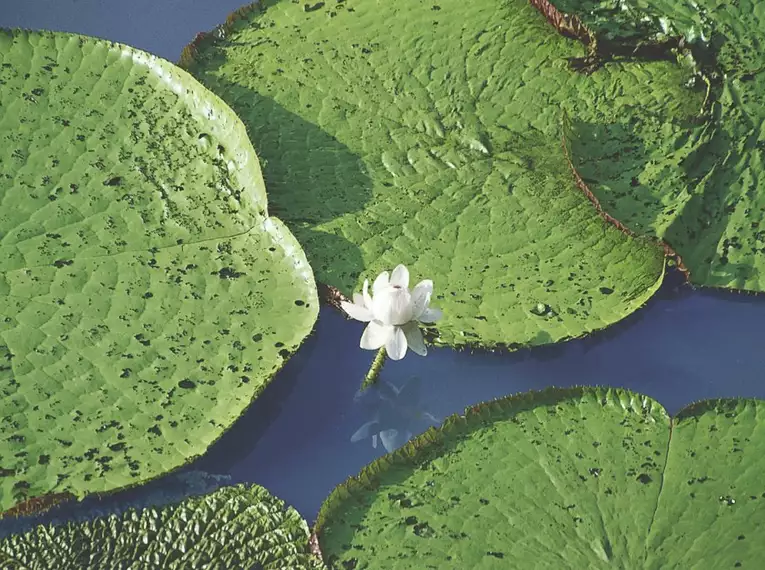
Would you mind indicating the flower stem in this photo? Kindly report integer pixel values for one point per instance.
(374, 370)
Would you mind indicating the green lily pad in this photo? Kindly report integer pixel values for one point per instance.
(430, 135)
(564, 478)
(697, 186)
(146, 297)
(234, 527)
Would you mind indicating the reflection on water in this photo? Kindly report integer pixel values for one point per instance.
(396, 413)
(684, 346)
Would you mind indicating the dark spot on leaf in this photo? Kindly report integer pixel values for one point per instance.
(113, 181)
(117, 446)
(606, 290)
(59, 263)
(644, 478)
(496, 554)
(91, 453)
(140, 338)
(423, 530)
(187, 384)
(155, 429)
(312, 7)
(43, 459)
(228, 273)
(106, 426)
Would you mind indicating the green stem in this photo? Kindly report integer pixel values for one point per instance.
(374, 370)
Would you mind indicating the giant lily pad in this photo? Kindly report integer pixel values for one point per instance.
(234, 527)
(146, 297)
(564, 478)
(429, 134)
(699, 187)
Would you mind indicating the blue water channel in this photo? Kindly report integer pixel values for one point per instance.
(311, 429)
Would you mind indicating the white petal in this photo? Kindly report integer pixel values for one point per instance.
(421, 297)
(393, 306)
(396, 344)
(400, 276)
(374, 441)
(355, 311)
(380, 283)
(430, 315)
(358, 299)
(376, 335)
(414, 339)
(366, 296)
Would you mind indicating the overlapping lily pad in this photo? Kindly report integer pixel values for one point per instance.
(234, 527)
(564, 478)
(429, 134)
(146, 297)
(699, 187)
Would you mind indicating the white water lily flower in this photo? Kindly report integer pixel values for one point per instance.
(393, 313)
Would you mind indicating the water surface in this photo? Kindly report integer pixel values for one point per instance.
(296, 439)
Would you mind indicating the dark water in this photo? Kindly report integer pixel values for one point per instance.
(296, 439)
(162, 27)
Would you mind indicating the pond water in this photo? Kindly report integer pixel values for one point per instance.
(296, 440)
